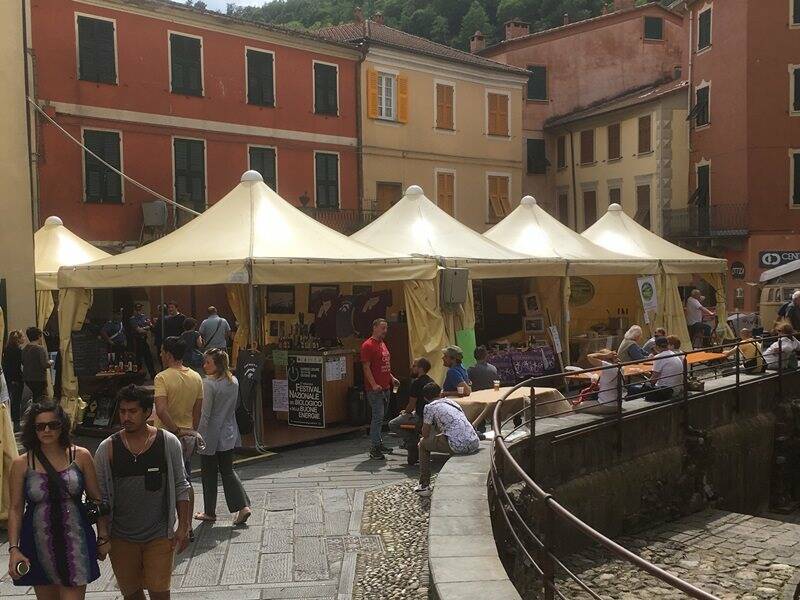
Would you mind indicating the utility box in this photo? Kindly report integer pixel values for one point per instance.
(453, 285)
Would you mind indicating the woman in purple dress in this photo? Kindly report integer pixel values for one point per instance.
(52, 544)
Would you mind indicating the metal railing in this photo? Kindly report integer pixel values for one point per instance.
(343, 220)
(705, 221)
(536, 544)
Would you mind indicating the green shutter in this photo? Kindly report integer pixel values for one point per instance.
(797, 88)
(796, 191)
(263, 161)
(96, 59)
(537, 160)
(704, 29)
(327, 180)
(101, 184)
(702, 116)
(186, 65)
(325, 90)
(260, 78)
(190, 173)
(703, 185)
(537, 82)
(796, 13)
(653, 28)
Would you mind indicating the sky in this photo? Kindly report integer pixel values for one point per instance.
(222, 4)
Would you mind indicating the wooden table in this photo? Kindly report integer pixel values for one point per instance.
(647, 367)
(480, 405)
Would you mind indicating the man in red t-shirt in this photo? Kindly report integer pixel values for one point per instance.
(378, 381)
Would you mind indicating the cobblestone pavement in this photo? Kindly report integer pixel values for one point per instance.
(302, 541)
(730, 555)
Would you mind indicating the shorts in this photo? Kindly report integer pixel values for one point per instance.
(142, 565)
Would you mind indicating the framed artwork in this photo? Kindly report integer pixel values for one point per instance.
(317, 293)
(532, 305)
(277, 328)
(533, 325)
(280, 299)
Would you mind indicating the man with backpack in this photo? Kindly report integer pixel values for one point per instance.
(215, 330)
(792, 311)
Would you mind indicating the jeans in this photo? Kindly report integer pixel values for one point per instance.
(38, 390)
(143, 355)
(235, 496)
(378, 400)
(411, 436)
(433, 443)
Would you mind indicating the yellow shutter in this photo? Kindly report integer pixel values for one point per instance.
(372, 94)
(402, 99)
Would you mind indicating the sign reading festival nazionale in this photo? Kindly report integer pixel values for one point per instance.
(306, 401)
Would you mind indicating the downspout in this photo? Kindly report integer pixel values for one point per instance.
(359, 132)
(690, 95)
(33, 156)
(574, 183)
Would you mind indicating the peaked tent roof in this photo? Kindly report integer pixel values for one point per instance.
(532, 231)
(416, 226)
(250, 229)
(617, 232)
(56, 246)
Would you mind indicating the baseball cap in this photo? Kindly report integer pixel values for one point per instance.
(453, 352)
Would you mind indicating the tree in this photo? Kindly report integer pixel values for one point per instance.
(512, 9)
(476, 19)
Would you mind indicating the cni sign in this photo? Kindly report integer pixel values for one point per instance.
(767, 259)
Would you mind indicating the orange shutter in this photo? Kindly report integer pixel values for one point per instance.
(503, 192)
(372, 94)
(445, 196)
(502, 115)
(402, 99)
(498, 197)
(444, 106)
(492, 108)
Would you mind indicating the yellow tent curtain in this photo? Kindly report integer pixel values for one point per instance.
(717, 281)
(8, 452)
(44, 307)
(238, 299)
(2, 331)
(427, 333)
(72, 307)
(670, 314)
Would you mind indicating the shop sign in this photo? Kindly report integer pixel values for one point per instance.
(305, 394)
(581, 291)
(767, 259)
(647, 290)
(737, 269)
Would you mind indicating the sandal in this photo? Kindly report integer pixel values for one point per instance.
(241, 519)
(201, 516)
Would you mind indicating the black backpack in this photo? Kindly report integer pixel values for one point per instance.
(784, 309)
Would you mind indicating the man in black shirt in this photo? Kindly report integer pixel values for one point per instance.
(412, 414)
(173, 324)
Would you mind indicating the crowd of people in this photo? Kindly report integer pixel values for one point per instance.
(136, 487)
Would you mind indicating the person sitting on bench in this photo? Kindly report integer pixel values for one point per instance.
(408, 423)
(666, 379)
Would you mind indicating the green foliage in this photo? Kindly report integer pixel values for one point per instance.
(450, 22)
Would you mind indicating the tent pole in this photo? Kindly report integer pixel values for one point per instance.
(162, 317)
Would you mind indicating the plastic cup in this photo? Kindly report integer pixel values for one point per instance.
(496, 385)
(462, 390)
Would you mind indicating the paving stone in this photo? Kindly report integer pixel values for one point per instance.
(337, 523)
(277, 541)
(299, 591)
(241, 564)
(280, 499)
(247, 534)
(309, 513)
(275, 568)
(310, 561)
(282, 519)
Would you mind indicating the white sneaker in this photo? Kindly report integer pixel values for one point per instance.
(423, 490)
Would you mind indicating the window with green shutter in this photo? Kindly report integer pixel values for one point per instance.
(263, 161)
(704, 29)
(537, 82)
(796, 12)
(796, 179)
(796, 99)
(96, 52)
(190, 173)
(101, 184)
(187, 70)
(260, 78)
(327, 180)
(701, 111)
(653, 28)
(537, 159)
(326, 94)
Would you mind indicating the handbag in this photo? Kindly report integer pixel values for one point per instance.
(93, 510)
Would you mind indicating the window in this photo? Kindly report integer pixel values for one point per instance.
(264, 161)
(537, 158)
(187, 64)
(97, 59)
(561, 152)
(700, 111)
(795, 88)
(190, 173)
(444, 106)
(796, 12)
(445, 192)
(645, 134)
(563, 208)
(587, 147)
(499, 206)
(498, 114)
(260, 78)
(537, 82)
(387, 96)
(703, 185)
(615, 196)
(642, 216)
(795, 177)
(589, 208)
(704, 30)
(614, 149)
(387, 87)
(653, 28)
(326, 176)
(101, 184)
(326, 89)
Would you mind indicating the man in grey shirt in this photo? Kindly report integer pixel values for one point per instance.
(215, 330)
(141, 477)
(482, 374)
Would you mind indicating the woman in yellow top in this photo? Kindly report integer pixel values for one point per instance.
(752, 360)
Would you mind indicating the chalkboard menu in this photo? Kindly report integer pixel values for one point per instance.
(89, 353)
(306, 400)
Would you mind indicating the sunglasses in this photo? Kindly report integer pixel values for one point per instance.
(51, 425)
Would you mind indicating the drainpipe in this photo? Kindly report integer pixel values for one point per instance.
(574, 184)
(359, 125)
(30, 116)
(690, 95)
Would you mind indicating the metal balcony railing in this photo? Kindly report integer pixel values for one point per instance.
(343, 220)
(535, 539)
(709, 221)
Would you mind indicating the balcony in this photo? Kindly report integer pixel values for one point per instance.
(343, 220)
(704, 222)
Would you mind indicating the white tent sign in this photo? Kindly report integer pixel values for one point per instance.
(647, 291)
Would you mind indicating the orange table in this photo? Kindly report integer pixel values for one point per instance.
(647, 367)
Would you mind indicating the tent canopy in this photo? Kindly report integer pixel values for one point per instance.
(251, 235)
(56, 246)
(416, 226)
(781, 271)
(617, 232)
(532, 231)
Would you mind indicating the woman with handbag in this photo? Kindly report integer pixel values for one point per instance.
(52, 545)
(221, 434)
